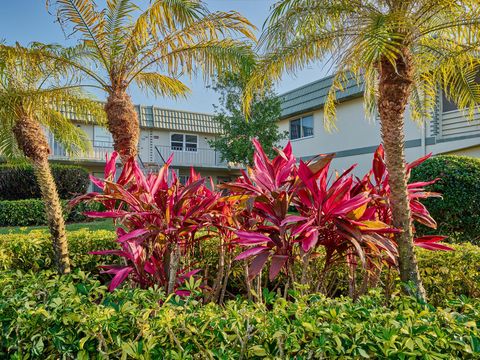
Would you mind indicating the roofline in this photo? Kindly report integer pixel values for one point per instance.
(175, 110)
(319, 107)
(306, 85)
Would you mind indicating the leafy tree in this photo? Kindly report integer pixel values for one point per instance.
(33, 88)
(124, 44)
(235, 142)
(401, 50)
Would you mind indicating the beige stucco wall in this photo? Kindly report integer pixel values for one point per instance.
(353, 132)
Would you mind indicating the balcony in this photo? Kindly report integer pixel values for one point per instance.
(98, 152)
(198, 158)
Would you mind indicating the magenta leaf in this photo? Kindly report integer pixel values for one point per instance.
(277, 263)
(251, 252)
(257, 264)
(251, 238)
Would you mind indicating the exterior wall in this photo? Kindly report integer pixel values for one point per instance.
(153, 143)
(355, 138)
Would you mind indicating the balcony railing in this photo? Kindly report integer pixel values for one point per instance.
(98, 151)
(199, 158)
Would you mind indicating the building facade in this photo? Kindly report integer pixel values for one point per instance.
(355, 138)
(162, 132)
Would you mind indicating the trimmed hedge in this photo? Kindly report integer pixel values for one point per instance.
(31, 212)
(17, 182)
(43, 315)
(458, 214)
(34, 251)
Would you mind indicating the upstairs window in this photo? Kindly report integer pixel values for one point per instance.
(184, 142)
(301, 128)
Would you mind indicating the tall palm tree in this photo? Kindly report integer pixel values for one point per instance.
(124, 44)
(403, 51)
(33, 88)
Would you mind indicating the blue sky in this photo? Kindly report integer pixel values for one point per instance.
(28, 20)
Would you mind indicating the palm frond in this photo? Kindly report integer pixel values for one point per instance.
(86, 19)
(161, 85)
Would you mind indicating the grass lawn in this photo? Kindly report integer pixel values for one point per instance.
(106, 224)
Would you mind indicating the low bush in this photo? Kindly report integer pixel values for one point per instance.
(31, 212)
(28, 212)
(34, 251)
(17, 182)
(45, 316)
(451, 273)
(457, 213)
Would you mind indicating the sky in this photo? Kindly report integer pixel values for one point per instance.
(28, 20)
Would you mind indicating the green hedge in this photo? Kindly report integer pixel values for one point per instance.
(34, 251)
(44, 316)
(448, 274)
(445, 274)
(31, 212)
(17, 182)
(458, 214)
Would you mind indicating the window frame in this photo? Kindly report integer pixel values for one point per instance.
(302, 136)
(184, 142)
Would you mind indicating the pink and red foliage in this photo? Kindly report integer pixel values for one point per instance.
(159, 218)
(156, 215)
(328, 215)
(380, 195)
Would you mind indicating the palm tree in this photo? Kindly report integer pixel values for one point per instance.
(403, 51)
(124, 44)
(31, 94)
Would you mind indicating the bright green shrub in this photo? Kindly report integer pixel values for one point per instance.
(28, 212)
(34, 251)
(449, 274)
(458, 214)
(44, 316)
(18, 182)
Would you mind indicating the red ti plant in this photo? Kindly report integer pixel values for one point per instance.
(380, 194)
(159, 218)
(328, 215)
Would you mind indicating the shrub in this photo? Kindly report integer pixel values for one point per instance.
(451, 273)
(33, 251)
(28, 212)
(31, 212)
(17, 182)
(43, 315)
(347, 221)
(458, 213)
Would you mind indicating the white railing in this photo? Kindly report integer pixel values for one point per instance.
(98, 152)
(199, 158)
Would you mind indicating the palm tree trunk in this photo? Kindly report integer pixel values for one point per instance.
(34, 145)
(122, 121)
(395, 85)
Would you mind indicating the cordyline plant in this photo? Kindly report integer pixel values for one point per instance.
(159, 217)
(380, 205)
(350, 219)
(328, 217)
(345, 220)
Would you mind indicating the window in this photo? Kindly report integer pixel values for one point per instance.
(301, 128)
(183, 179)
(183, 142)
(101, 137)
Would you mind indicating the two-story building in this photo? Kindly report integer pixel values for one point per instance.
(163, 132)
(356, 137)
